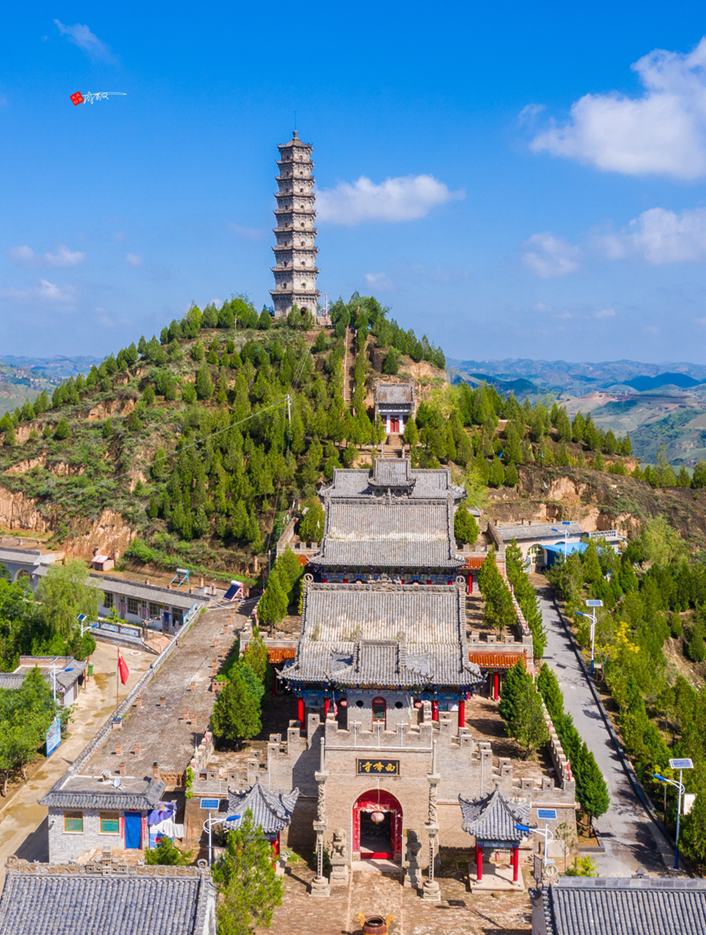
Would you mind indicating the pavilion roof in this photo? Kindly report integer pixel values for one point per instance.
(272, 811)
(389, 532)
(493, 817)
(384, 635)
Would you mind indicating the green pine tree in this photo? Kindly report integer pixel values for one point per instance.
(465, 526)
(250, 890)
(273, 604)
(204, 383)
(236, 715)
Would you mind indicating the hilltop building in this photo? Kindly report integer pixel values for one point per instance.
(395, 403)
(295, 252)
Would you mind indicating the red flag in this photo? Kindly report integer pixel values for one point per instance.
(123, 669)
(77, 98)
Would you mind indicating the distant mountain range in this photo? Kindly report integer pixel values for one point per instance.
(23, 378)
(58, 367)
(536, 377)
(658, 404)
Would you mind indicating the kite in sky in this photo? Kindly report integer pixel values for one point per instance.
(89, 97)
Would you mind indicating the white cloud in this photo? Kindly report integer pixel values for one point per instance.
(406, 198)
(549, 256)
(379, 281)
(663, 131)
(46, 291)
(25, 256)
(605, 313)
(660, 236)
(86, 40)
(133, 259)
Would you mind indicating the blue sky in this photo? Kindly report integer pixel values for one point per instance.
(514, 180)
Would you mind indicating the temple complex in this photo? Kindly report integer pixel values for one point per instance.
(382, 672)
(295, 252)
(380, 763)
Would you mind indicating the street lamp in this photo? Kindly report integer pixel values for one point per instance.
(680, 764)
(565, 533)
(81, 620)
(592, 618)
(208, 825)
(546, 834)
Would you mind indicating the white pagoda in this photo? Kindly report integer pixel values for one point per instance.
(295, 252)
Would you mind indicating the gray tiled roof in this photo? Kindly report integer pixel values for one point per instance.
(387, 635)
(86, 792)
(145, 592)
(429, 483)
(272, 811)
(619, 906)
(92, 900)
(394, 394)
(387, 553)
(522, 532)
(493, 817)
(392, 472)
(11, 680)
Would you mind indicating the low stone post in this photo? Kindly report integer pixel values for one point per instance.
(413, 872)
(339, 858)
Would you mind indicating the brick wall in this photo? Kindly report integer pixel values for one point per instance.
(64, 845)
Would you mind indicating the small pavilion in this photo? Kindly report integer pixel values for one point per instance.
(272, 811)
(492, 819)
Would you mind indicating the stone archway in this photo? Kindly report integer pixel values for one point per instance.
(377, 837)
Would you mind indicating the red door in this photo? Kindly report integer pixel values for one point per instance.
(377, 825)
(395, 425)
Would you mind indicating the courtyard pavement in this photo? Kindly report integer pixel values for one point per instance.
(630, 837)
(373, 893)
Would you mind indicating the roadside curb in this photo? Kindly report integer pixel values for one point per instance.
(625, 763)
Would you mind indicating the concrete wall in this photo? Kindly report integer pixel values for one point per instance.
(64, 845)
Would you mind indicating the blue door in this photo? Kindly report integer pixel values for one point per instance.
(133, 830)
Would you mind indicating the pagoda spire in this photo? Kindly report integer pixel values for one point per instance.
(295, 252)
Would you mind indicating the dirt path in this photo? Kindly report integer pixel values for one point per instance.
(23, 823)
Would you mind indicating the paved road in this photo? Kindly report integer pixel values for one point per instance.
(630, 837)
(23, 823)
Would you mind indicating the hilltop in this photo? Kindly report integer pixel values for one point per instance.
(194, 448)
(180, 450)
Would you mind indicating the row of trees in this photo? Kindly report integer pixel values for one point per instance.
(498, 607)
(521, 709)
(655, 593)
(591, 789)
(283, 592)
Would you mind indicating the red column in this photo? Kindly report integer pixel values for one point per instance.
(515, 864)
(326, 706)
(274, 681)
(461, 714)
(479, 863)
(435, 710)
(300, 710)
(470, 583)
(496, 680)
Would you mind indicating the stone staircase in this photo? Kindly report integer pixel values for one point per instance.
(394, 447)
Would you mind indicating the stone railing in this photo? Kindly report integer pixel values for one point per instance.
(560, 761)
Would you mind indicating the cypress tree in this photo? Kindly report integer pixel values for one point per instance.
(274, 602)
(236, 715)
